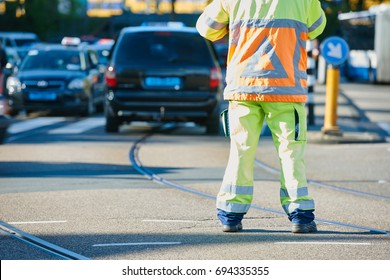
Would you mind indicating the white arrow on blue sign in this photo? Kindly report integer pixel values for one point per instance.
(334, 50)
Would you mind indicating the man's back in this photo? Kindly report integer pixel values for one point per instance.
(267, 45)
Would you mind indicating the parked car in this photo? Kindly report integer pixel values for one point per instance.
(59, 77)
(103, 48)
(163, 73)
(13, 60)
(19, 41)
(5, 120)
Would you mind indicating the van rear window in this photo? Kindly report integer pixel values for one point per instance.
(155, 48)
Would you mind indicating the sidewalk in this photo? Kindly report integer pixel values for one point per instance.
(363, 114)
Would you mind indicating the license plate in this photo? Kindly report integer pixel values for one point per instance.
(42, 96)
(163, 82)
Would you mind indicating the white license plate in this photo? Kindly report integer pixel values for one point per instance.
(163, 82)
(42, 96)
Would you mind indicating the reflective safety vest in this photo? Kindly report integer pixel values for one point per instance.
(267, 57)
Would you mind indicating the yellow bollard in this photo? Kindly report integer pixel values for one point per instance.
(332, 91)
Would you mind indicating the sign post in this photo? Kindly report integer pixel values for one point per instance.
(335, 51)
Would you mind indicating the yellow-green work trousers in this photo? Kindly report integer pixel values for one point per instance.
(287, 123)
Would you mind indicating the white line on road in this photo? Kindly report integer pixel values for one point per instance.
(170, 221)
(32, 124)
(136, 244)
(323, 243)
(36, 222)
(79, 127)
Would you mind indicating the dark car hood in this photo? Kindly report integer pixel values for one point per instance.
(50, 74)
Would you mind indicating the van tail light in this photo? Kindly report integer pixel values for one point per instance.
(215, 77)
(110, 77)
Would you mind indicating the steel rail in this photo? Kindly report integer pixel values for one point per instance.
(324, 185)
(138, 166)
(39, 243)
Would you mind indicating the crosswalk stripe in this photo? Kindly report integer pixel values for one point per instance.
(32, 124)
(79, 127)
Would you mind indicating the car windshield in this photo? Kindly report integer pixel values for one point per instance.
(163, 48)
(52, 60)
(25, 42)
(103, 56)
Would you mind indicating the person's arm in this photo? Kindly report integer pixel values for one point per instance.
(316, 20)
(213, 23)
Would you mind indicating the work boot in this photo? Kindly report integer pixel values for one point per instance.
(229, 228)
(304, 228)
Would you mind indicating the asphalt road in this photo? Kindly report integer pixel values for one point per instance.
(67, 182)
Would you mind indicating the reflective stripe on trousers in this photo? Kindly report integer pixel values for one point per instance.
(287, 122)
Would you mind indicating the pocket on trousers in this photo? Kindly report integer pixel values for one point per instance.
(225, 122)
(300, 123)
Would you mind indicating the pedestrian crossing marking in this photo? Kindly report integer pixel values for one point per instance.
(27, 125)
(79, 127)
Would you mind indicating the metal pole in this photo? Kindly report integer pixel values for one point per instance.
(332, 90)
(310, 83)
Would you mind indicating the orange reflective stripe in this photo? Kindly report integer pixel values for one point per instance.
(267, 82)
(300, 98)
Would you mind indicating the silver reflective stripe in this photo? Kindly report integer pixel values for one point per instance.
(303, 205)
(214, 24)
(316, 24)
(294, 193)
(265, 47)
(276, 23)
(268, 90)
(227, 188)
(233, 207)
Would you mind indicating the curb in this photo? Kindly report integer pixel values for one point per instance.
(319, 137)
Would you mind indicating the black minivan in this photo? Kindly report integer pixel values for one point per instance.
(163, 73)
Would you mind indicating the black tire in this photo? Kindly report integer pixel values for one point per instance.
(13, 112)
(3, 135)
(213, 124)
(112, 124)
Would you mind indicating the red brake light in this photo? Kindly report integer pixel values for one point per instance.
(215, 77)
(110, 76)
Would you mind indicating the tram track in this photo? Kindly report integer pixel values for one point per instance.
(39, 243)
(325, 185)
(148, 173)
(63, 253)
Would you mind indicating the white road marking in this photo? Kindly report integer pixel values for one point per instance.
(136, 244)
(324, 243)
(170, 221)
(79, 127)
(32, 124)
(36, 222)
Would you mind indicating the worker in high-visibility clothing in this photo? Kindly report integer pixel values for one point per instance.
(265, 79)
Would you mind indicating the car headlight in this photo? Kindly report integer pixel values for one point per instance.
(13, 85)
(76, 84)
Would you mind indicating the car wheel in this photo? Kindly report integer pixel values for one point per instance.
(13, 112)
(112, 124)
(112, 121)
(3, 133)
(213, 126)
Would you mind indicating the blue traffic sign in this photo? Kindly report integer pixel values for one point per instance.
(334, 50)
